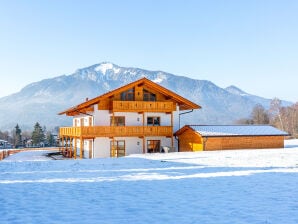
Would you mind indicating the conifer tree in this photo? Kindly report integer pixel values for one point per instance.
(37, 135)
(17, 136)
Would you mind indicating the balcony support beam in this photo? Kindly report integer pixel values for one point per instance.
(75, 148)
(81, 147)
(172, 125)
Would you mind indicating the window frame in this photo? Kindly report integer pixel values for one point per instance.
(115, 121)
(153, 146)
(154, 118)
(149, 96)
(128, 95)
(119, 147)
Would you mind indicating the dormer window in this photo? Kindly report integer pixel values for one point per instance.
(147, 96)
(127, 95)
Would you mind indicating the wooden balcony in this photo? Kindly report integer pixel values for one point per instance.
(142, 106)
(116, 131)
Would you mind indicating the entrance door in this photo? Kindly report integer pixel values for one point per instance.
(117, 148)
(153, 146)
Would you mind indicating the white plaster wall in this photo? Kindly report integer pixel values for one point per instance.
(163, 141)
(78, 119)
(86, 144)
(102, 118)
(176, 119)
(101, 148)
(133, 145)
(175, 145)
(131, 119)
(78, 147)
(165, 119)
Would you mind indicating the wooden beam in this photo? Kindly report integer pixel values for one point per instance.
(144, 151)
(144, 147)
(75, 148)
(81, 148)
(172, 125)
(70, 147)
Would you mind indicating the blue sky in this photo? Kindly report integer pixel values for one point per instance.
(252, 44)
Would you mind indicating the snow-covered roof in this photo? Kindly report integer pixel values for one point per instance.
(237, 130)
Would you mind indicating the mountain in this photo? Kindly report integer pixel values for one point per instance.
(257, 99)
(41, 101)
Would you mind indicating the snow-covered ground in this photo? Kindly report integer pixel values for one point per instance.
(237, 186)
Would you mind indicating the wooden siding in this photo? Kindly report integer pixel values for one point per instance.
(243, 142)
(114, 131)
(190, 141)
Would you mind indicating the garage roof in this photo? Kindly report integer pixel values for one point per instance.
(233, 130)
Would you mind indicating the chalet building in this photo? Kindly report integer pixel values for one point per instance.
(221, 137)
(140, 117)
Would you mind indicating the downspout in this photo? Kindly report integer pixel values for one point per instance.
(179, 126)
(176, 137)
(205, 139)
(184, 113)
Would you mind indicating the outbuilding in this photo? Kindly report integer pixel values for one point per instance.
(225, 137)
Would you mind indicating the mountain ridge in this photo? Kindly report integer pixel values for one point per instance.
(41, 101)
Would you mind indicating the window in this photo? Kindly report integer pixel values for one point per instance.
(153, 121)
(117, 121)
(127, 95)
(117, 148)
(147, 96)
(153, 146)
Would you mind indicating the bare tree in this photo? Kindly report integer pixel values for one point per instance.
(275, 112)
(244, 121)
(259, 115)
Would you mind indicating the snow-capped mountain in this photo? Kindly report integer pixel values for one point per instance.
(257, 99)
(41, 101)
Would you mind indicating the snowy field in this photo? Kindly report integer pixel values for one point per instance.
(247, 186)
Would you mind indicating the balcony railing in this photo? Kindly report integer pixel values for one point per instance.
(115, 131)
(142, 106)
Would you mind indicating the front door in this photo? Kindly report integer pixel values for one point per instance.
(117, 148)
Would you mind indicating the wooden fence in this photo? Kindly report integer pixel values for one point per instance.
(7, 152)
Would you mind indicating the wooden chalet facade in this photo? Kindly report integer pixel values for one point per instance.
(225, 137)
(139, 117)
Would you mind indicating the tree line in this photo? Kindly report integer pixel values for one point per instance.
(283, 118)
(39, 137)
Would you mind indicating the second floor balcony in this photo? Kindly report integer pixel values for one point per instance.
(116, 131)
